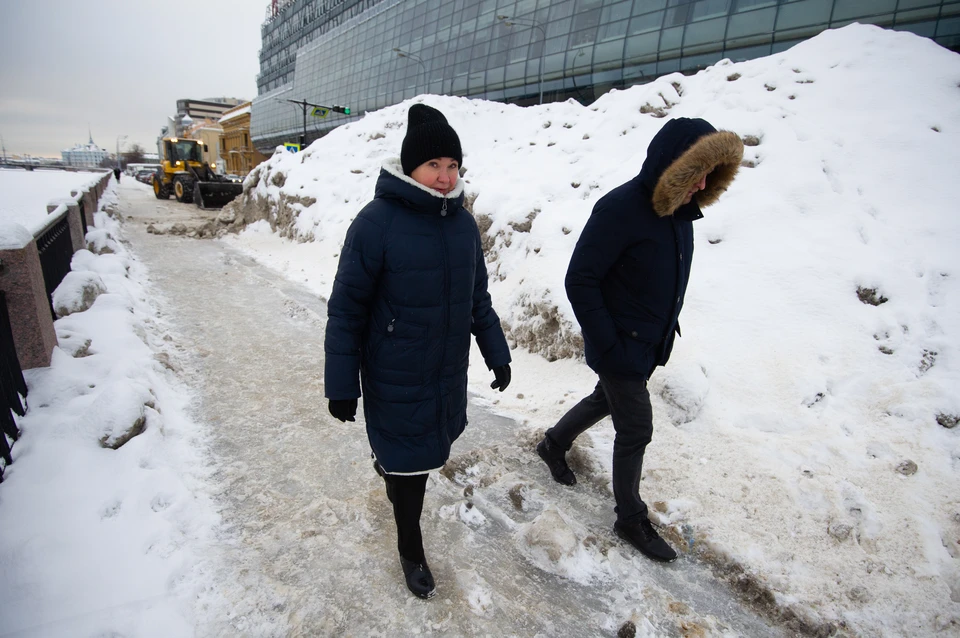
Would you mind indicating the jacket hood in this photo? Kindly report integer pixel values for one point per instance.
(395, 184)
(682, 152)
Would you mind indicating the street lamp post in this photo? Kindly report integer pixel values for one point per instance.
(573, 76)
(509, 22)
(405, 54)
(119, 163)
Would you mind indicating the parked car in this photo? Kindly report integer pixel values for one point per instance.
(145, 176)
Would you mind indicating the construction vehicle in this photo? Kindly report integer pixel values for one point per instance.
(183, 173)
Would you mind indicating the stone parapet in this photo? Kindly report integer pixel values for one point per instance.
(21, 278)
(21, 274)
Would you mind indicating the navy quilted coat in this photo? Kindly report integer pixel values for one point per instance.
(628, 274)
(411, 288)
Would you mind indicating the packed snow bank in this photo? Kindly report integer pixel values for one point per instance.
(102, 506)
(806, 423)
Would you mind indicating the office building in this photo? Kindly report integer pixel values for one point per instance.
(368, 54)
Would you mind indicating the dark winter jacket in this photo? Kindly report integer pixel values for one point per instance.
(410, 289)
(628, 274)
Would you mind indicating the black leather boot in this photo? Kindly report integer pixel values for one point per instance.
(555, 458)
(419, 579)
(642, 536)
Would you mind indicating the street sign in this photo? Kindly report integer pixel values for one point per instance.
(293, 148)
(320, 111)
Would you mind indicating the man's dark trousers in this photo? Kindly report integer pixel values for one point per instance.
(627, 401)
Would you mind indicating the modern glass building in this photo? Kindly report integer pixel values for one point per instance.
(367, 54)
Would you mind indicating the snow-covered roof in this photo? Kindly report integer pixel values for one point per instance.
(84, 147)
(234, 113)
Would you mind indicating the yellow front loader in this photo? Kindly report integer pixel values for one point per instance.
(183, 173)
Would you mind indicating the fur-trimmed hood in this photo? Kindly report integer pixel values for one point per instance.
(680, 154)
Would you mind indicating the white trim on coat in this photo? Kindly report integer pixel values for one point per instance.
(395, 168)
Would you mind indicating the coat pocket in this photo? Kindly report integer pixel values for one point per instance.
(642, 331)
(399, 353)
(636, 347)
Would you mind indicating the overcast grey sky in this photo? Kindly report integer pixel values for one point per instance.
(118, 66)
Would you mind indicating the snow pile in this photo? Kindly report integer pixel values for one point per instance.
(806, 424)
(27, 193)
(554, 545)
(77, 292)
(103, 487)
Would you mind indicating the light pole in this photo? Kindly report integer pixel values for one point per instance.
(573, 75)
(404, 54)
(509, 22)
(119, 137)
(303, 104)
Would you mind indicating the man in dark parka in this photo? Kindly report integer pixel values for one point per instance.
(626, 282)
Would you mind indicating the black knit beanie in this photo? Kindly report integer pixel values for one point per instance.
(428, 137)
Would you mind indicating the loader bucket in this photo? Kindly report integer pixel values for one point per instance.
(215, 194)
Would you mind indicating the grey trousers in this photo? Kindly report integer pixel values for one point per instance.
(627, 402)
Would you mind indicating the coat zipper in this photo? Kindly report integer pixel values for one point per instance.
(446, 321)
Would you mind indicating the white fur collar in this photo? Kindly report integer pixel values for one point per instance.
(395, 168)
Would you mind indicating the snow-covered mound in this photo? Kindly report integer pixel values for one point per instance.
(102, 508)
(806, 423)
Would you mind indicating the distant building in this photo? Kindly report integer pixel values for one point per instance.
(207, 131)
(87, 155)
(368, 54)
(207, 108)
(239, 155)
(191, 112)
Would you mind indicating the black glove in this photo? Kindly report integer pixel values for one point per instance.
(343, 409)
(502, 374)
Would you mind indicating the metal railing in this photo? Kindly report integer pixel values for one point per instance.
(56, 250)
(83, 216)
(12, 387)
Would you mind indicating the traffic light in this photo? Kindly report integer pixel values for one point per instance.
(341, 109)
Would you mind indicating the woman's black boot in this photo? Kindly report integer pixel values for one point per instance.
(419, 579)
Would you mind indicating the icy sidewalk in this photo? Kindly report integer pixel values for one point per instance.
(307, 546)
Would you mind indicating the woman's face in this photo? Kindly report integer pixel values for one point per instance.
(440, 174)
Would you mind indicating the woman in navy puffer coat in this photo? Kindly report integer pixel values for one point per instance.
(410, 289)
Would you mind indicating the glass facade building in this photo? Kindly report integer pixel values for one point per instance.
(368, 54)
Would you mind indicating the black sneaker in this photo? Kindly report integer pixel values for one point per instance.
(419, 579)
(642, 536)
(554, 458)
